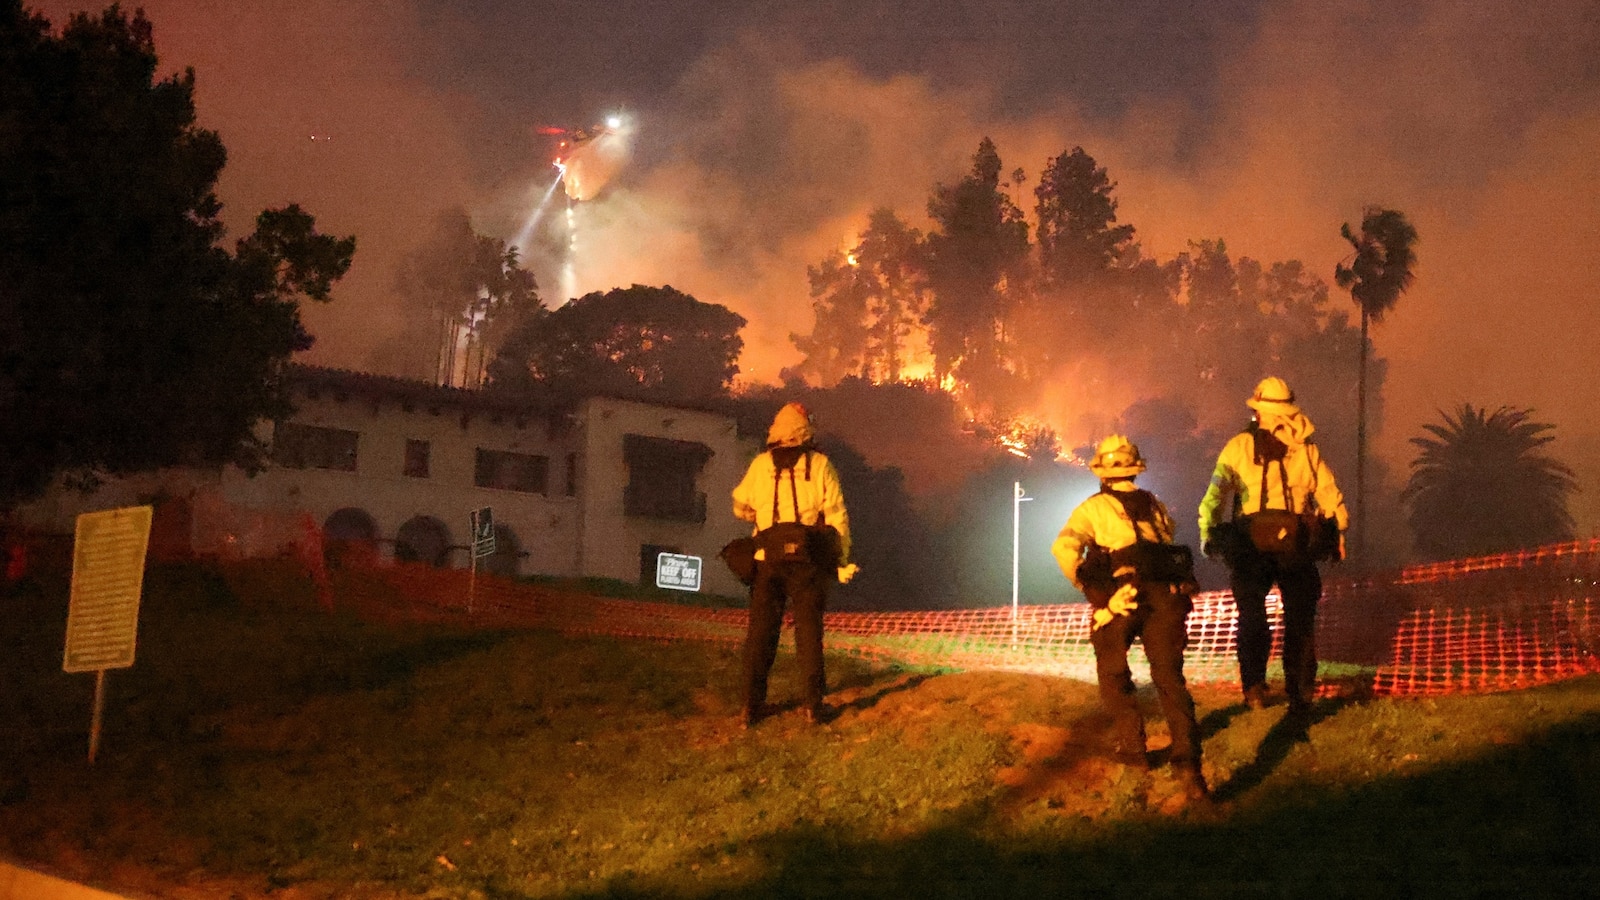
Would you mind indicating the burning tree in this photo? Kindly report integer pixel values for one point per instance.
(866, 302)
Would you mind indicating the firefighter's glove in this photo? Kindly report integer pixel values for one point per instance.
(848, 572)
(1120, 604)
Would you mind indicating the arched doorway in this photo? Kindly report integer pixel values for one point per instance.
(349, 537)
(423, 539)
(507, 557)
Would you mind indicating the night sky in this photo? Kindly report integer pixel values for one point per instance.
(766, 131)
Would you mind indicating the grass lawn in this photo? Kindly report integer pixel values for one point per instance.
(259, 748)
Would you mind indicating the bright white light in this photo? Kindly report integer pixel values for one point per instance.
(525, 235)
(613, 121)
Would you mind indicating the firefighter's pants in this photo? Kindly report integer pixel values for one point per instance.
(1253, 575)
(1161, 621)
(803, 588)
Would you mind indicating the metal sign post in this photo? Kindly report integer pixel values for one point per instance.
(482, 545)
(108, 555)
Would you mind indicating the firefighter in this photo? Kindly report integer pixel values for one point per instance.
(791, 495)
(1117, 548)
(1287, 514)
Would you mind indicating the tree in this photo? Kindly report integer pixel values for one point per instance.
(1091, 280)
(978, 249)
(1078, 238)
(1228, 332)
(464, 292)
(1244, 319)
(1481, 485)
(864, 304)
(129, 339)
(892, 256)
(648, 343)
(1379, 272)
(837, 344)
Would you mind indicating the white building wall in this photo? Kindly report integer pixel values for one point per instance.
(589, 534)
(611, 540)
(545, 525)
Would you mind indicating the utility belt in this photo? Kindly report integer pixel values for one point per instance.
(1151, 563)
(819, 545)
(793, 542)
(1279, 533)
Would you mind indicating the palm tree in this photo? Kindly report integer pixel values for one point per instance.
(1479, 485)
(1379, 273)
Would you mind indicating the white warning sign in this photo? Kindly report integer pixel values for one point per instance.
(677, 571)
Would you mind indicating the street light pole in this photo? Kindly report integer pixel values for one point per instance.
(1018, 497)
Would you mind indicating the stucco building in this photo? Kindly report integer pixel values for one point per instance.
(393, 469)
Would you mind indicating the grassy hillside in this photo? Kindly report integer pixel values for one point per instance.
(261, 749)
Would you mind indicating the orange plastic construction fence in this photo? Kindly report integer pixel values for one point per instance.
(1472, 625)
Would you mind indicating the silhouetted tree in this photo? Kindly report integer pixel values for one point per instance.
(1078, 235)
(648, 343)
(1243, 320)
(893, 256)
(1482, 485)
(865, 302)
(837, 344)
(978, 250)
(1093, 285)
(1227, 333)
(1379, 272)
(463, 292)
(129, 338)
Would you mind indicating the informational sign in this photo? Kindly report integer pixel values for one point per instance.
(482, 533)
(679, 572)
(107, 579)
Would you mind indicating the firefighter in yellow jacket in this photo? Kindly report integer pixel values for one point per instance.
(1111, 548)
(791, 493)
(1286, 514)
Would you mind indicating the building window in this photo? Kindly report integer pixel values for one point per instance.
(417, 458)
(512, 471)
(661, 478)
(298, 446)
(572, 474)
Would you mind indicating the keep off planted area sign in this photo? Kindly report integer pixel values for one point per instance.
(107, 580)
(677, 571)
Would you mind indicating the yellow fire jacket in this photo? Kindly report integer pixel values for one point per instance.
(816, 484)
(1102, 520)
(1238, 475)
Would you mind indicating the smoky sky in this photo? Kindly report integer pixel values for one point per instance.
(564, 61)
(766, 131)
